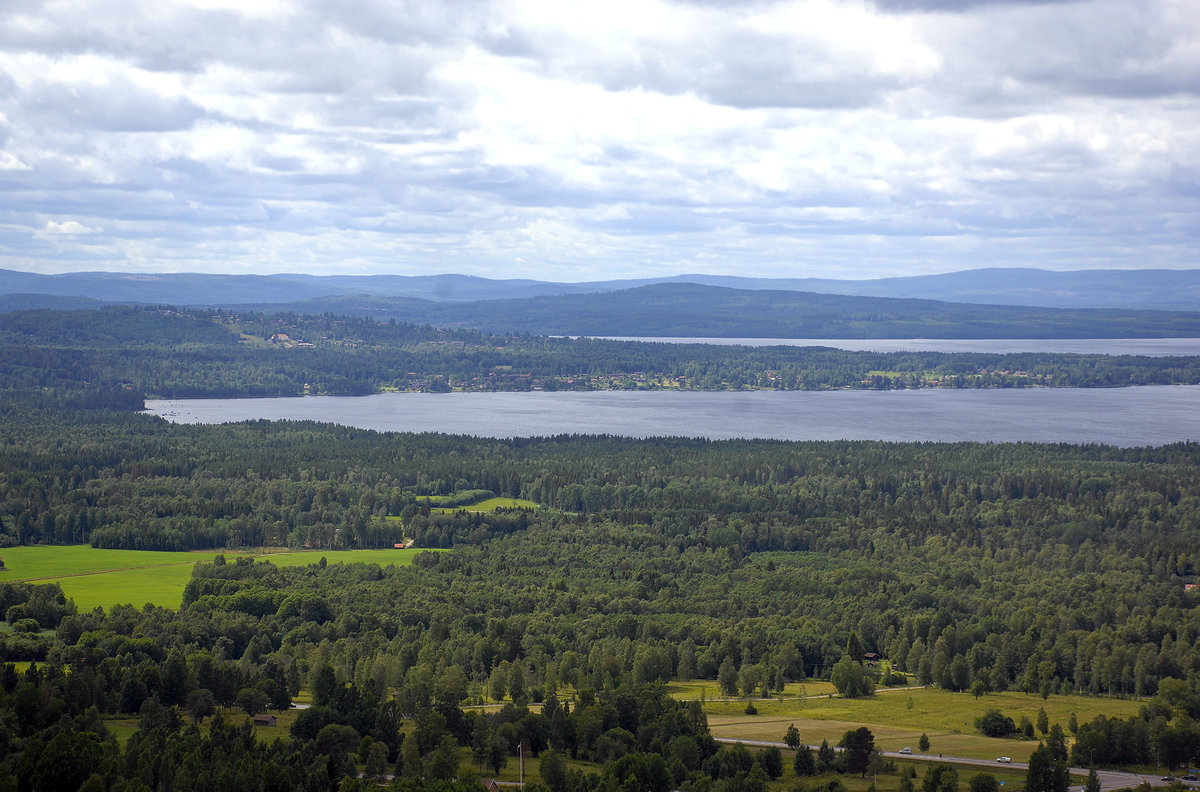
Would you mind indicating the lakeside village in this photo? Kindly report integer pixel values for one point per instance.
(508, 380)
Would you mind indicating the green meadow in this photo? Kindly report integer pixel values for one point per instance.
(486, 505)
(491, 504)
(897, 718)
(709, 691)
(102, 578)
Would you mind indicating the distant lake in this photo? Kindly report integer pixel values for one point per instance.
(1152, 347)
(1115, 416)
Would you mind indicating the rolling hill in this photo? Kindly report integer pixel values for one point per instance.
(1128, 289)
(687, 309)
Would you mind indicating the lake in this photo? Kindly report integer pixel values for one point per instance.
(1116, 416)
(1153, 347)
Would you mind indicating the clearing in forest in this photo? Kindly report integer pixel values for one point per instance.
(103, 578)
(898, 717)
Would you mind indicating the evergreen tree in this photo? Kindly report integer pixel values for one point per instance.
(826, 757)
(1057, 743)
(857, 747)
(771, 760)
(854, 648)
(804, 764)
(1045, 773)
(756, 780)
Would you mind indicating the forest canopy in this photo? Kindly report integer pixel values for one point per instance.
(117, 356)
(1048, 569)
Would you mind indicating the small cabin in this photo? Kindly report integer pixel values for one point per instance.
(264, 720)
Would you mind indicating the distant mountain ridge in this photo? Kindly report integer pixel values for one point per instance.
(1177, 290)
(696, 310)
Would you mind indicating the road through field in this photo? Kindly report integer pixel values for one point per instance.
(1109, 779)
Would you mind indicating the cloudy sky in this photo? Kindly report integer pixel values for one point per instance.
(573, 141)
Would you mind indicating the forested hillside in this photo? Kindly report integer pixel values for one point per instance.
(1049, 569)
(689, 309)
(115, 356)
(980, 568)
(1137, 289)
(859, 536)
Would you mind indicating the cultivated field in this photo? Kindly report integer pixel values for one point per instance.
(102, 578)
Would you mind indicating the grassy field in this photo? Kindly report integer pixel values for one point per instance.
(491, 504)
(36, 562)
(710, 691)
(486, 505)
(898, 718)
(510, 773)
(102, 578)
(123, 726)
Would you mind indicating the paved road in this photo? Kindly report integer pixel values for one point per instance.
(1109, 779)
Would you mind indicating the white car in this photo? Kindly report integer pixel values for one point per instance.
(905, 751)
(1004, 759)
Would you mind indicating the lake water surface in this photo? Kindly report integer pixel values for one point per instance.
(1153, 347)
(1117, 416)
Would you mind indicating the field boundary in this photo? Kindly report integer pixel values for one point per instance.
(97, 572)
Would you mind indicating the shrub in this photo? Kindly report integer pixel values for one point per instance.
(994, 723)
(26, 625)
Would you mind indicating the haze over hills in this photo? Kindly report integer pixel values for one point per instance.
(1130, 289)
(689, 309)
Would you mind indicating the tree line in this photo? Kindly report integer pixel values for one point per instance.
(1043, 568)
(694, 310)
(113, 358)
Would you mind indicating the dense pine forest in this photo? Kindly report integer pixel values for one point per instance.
(975, 568)
(1046, 569)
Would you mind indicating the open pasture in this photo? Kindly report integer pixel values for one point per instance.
(490, 505)
(103, 578)
(709, 690)
(38, 562)
(897, 718)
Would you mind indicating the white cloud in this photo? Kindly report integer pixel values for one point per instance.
(67, 227)
(10, 162)
(797, 137)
